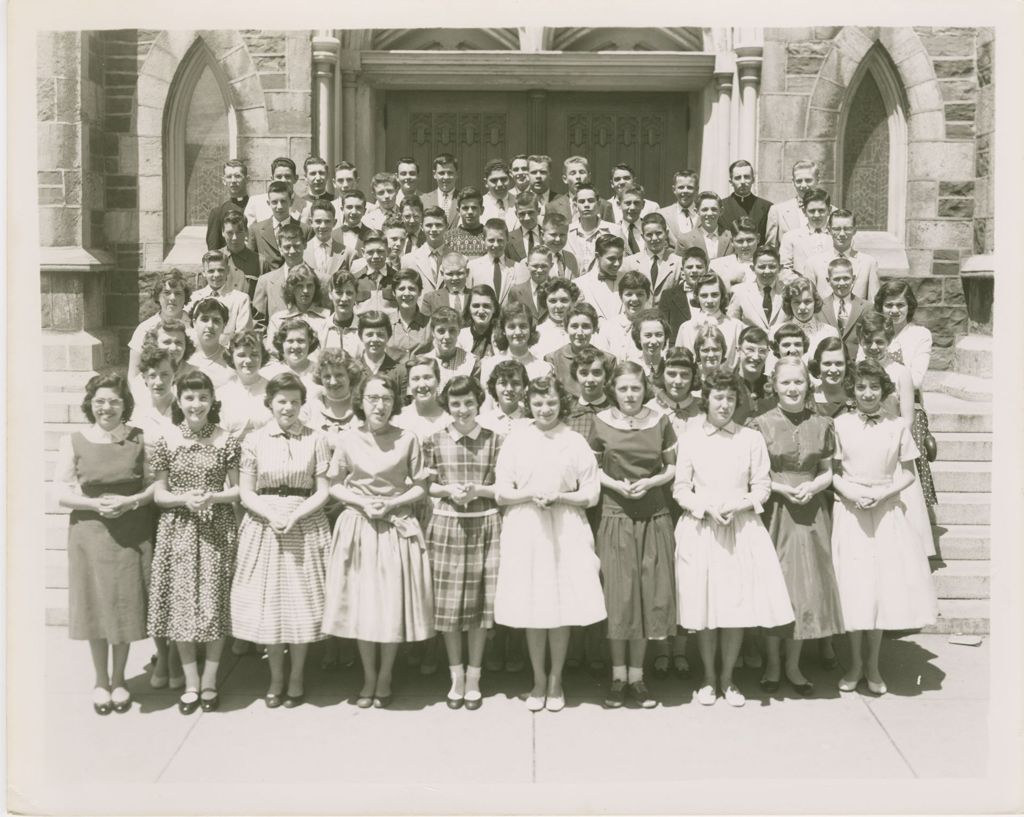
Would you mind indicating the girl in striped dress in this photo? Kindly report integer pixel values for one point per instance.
(277, 595)
(462, 535)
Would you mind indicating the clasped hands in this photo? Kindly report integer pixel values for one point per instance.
(462, 493)
(635, 489)
(800, 494)
(111, 506)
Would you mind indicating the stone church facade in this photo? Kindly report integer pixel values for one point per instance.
(134, 124)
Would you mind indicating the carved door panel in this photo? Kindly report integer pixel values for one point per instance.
(646, 131)
(474, 127)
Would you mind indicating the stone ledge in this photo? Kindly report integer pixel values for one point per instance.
(74, 259)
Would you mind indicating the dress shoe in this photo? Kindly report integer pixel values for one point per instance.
(292, 701)
(706, 695)
(555, 704)
(848, 686)
(381, 701)
(535, 703)
(273, 700)
(188, 702)
(475, 702)
(877, 689)
(806, 689)
(209, 700)
(364, 701)
(121, 699)
(733, 696)
(681, 668)
(768, 686)
(660, 668)
(101, 701)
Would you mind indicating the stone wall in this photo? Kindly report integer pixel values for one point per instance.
(984, 130)
(806, 82)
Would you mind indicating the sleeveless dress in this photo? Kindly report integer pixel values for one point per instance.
(802, 533)
(190, 593)
(109, 559)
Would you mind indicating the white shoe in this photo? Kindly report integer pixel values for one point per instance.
(734, 697)
(705, 695)
(535, 703)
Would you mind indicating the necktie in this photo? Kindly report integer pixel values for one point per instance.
(529, 240)
(536, 298)
(435, 257)
(497, 277)
(841, 316)
(408, 244)
(322, 256)
(654, 274)
(633, 246)
(501, 205)
(766, 303)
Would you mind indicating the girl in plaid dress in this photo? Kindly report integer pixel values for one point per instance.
(462, 536)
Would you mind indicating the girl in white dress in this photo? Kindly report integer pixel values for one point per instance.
(548, 578)
(727, 574)
(884, 584)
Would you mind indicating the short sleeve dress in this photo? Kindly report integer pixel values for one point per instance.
(634, 538)
(802, 534)
(194, 557)
(884, 579)
(726, 575)
(277, 594)
(549, 574)
(463, 539)
(108, 559)
(379, 585)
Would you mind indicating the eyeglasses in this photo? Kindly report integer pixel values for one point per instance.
(379, 398)
(111, 403)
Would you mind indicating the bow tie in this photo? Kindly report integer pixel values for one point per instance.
(870, 419)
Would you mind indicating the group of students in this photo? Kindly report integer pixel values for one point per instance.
(624, 448)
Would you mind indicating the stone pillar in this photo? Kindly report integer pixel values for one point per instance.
(537, 121)
(717, 144)
(348, 116)
(748, 64)
(325, 61)
(365, 121)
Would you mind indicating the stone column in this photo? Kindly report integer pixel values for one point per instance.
(717, 146)
(365, 139)
(348, 115)
(537, 122)
(748, 64)
(325, 62)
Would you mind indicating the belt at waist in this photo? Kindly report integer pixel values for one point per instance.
(441, 510)
(284, 490)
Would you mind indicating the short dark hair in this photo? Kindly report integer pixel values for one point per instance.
(360, 392)
(606, 242)
(407, 160)
(342, 279)
(650, 316)
(653, 218)
(556, 284)
(286, 381)
(112, 381)
(584, 309)
(411, 276)
(871, 323)
(282, 161)
(374, 319)
(292, 231)
(696, 252)
(816, 194)
(896, 289)
(325, 206)
(873, 369)
(744, 224)
(789, 330)
(740, 163)
(167, 327)
(711, 279)
(503, 370)
(557, 220)
(446, 316)
(151, 357)
(237, 163)
(495, 164)
(424, 360)
(470, 194)
(445, 159)
(173, 279)
(842, 213)
(634, 280)
(511, 312)
(830, 344)
(545, 385)
(290, 325)
(682, 358)
(436, 212)
(314, 160)
(344, 165)
(754, 334)
(194, 380)
(413, 201)
(278, 186)
(588, 357)
(721, 379)
(210, 305)
(766, 249)
(247, 339)
(462, 386)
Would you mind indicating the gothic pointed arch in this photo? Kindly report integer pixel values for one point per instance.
(200, 128)
(871, 145)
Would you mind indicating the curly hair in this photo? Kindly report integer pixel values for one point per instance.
(515, 311)
(291, 325)
(173, 279)
(360, 393)
(506, 370)
(721, 379)
(112, 381)
(649, 315)
(871, 323)
(247, 339)
(167, 327)
(868, 368)
(462, 386)
(152, 356)
(286, 381)
(340, 359)
(544, 386)
(194, 380)
(794, 289)
(585, 358)
(554, 285)
(896, 289)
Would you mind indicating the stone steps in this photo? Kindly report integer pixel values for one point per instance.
(963, 541)
(957, 384)
(975, 446)
(961, 616)
(972, 355)
(963, 509)
(968, 476)
(962, 578)
(949, 413)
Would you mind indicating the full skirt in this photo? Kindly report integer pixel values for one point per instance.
(464, 564)
(277, 594)
(729, 575)
(883, 577)
(378, 585)
(549, 574)
(638, 575)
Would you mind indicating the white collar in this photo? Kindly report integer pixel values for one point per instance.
(95, 434)
(729, 428)
(647, 418)
(457, 435)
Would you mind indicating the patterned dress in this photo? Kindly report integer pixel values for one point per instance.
(463, 539)
(195, 552)
(108, 559)
(379, 585)
(634, 536)
(802, 533)
(277, 595)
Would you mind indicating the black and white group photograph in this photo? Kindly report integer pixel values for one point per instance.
(465, 420)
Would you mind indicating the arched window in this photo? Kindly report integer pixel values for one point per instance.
(199, 134)
(871, 153)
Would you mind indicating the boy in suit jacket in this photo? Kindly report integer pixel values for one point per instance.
(243, 263)
(384, 187)
(760, 303)
(374, 278)
(268, 297)
(841, 308)
(555, 235)
(265, 235)
(426, 259)
(589, 226)
(215, 270)
(623, 177)
(530, 293)
(742, 202)
(801, 244)
(709, 234)
(842, 225)
(681, 217)
(324, 254)
(522, 239)
(315, 170)
(453, 292)
(407, 169)
(789, 215)
(495, 269)
(656, 262)
(350, 231)
(576, 171)
(346, 178)
(410, 210)
(446, 174)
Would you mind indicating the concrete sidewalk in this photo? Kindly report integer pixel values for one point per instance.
(931, 724)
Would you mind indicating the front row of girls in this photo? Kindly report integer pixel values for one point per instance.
(243, 545)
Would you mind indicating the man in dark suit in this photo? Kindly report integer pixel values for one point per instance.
(528, 234)
(453, 293)
(842, 309)
(576, 172)
(446, 175)
(709, 234)
(742, 202)
(263, 238)
(529, 292)
(349, 231)
(236, 180)
(243, 264)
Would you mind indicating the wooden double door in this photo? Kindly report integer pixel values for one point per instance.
(648, 131)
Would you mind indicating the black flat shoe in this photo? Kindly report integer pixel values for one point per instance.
(768, 686)
(292, 701)
(660, 668)
(209, 702)
(185, 706)
(682, 670)
(273, 700)
(473, 704)
(123, 705)
(806, 690)
(455, 703)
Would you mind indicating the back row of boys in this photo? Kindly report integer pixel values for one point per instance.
(517, 201)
